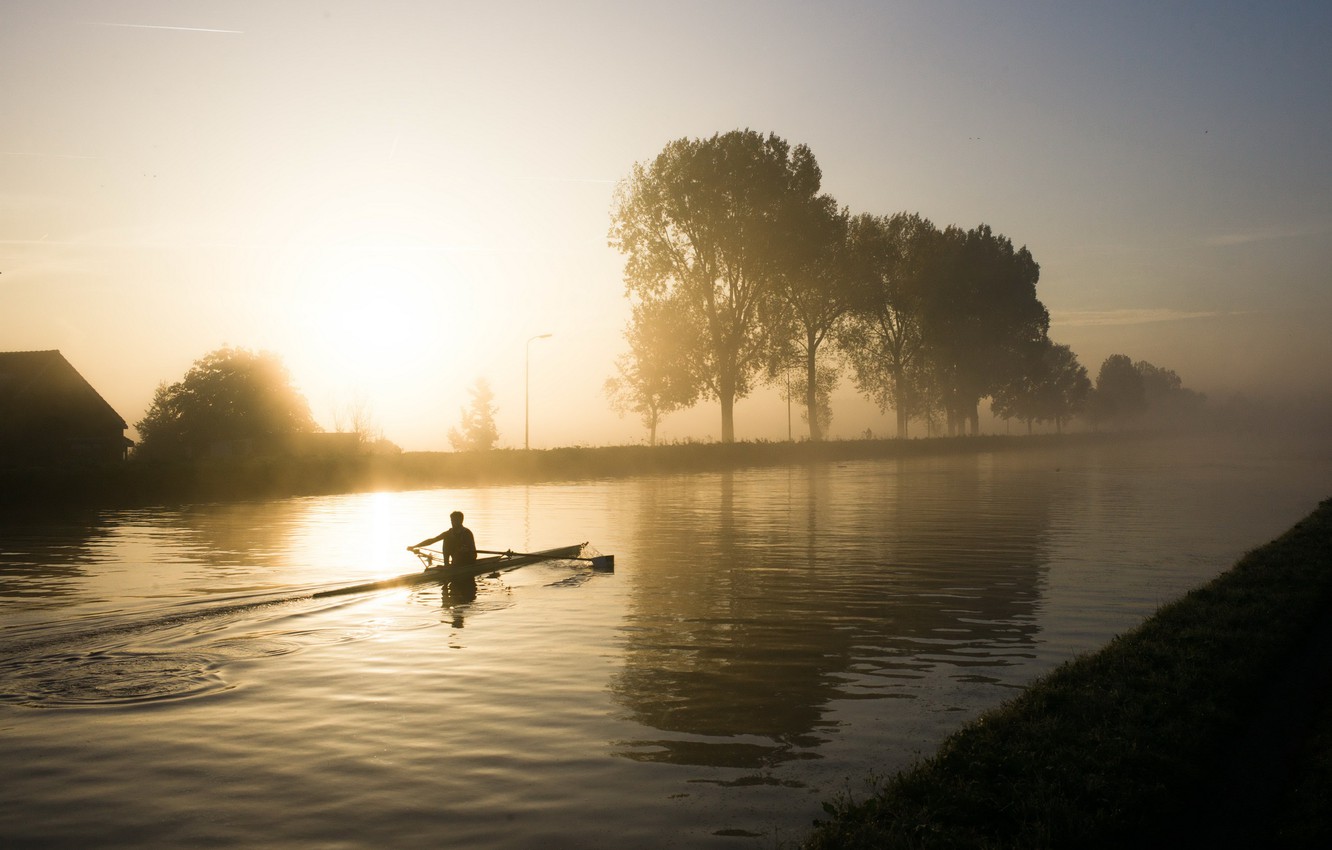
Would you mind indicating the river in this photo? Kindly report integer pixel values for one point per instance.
(770, 638)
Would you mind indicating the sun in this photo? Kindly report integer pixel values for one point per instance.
(365, 307)
(363, 291)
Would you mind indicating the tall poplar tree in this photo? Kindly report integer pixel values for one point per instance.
(884, 336)
(699, 225)
(813, 291)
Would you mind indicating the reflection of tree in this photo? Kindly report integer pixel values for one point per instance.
(236, 534)
(43, 555)
(763, 596)
(54, 556)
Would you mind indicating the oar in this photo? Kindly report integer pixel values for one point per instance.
(600, 562)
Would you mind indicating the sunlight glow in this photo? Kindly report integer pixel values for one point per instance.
(362, 287)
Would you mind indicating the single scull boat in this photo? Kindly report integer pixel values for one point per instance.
(496, 563)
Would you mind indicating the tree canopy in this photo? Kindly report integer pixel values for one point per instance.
(978, 312)
(1168, 401)
(1120, 396)
(1142, 395)
(232, 400)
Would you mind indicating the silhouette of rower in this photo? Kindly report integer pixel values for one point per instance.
(459, 544)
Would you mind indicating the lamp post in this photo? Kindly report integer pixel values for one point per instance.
(527, 383)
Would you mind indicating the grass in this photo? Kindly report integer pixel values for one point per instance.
(1128, 745)
(1302, 816)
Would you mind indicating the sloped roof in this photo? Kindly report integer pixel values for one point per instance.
(42, 383)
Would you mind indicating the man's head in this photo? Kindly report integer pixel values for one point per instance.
(456, 517)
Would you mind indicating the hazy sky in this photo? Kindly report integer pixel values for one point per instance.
(394, 197)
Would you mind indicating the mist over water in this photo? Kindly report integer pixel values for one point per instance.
(769, 638)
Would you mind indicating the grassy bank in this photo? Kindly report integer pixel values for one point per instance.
(1137, 744)
(142, 483)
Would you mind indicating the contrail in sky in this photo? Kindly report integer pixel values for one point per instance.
(158, 27)
(47, 154)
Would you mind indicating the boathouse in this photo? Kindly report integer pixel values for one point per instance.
(51, 416)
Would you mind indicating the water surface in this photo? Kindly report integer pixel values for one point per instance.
(769, 639)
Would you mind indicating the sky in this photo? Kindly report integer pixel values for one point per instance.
(397, 197)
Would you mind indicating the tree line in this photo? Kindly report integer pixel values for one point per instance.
(741, 270)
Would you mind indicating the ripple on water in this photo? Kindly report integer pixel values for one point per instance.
(105, 679)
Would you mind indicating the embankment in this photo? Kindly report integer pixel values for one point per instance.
(137, 483)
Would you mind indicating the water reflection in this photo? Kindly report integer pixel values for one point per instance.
(762, 597)
(103, 560)
(766, 635)
(455, 596)
(43, 555)
(243, 534)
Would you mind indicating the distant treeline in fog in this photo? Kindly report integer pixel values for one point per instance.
(741, 271)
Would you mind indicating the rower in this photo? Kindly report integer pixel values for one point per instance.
(459, 544)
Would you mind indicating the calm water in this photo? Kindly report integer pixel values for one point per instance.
(769, 639)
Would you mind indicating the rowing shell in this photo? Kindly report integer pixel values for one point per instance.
(478, 567)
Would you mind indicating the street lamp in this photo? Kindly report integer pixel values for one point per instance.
(527, 382)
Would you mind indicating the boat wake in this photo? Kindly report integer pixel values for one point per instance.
(179, 650)
(144, 656)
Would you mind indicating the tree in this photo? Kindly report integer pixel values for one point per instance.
(656, 376)
(1051, 387)
(230, 400)
(476, 432)
(1120, 395)
(820, 401)
(979, 311)
(1167, 400)
(358, 419)
(1066, 387)
(699, 225)
(883, 337)
(813, 290)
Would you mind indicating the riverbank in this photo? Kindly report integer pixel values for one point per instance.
(139, 483)
(1208, 725)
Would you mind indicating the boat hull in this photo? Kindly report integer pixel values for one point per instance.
(481, 566)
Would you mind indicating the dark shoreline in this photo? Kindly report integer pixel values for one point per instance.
(142, 484)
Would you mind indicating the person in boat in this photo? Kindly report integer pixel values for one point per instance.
(459, 544)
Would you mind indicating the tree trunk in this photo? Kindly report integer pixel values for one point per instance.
(812, 393)
(903, 401)
(726, 395)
